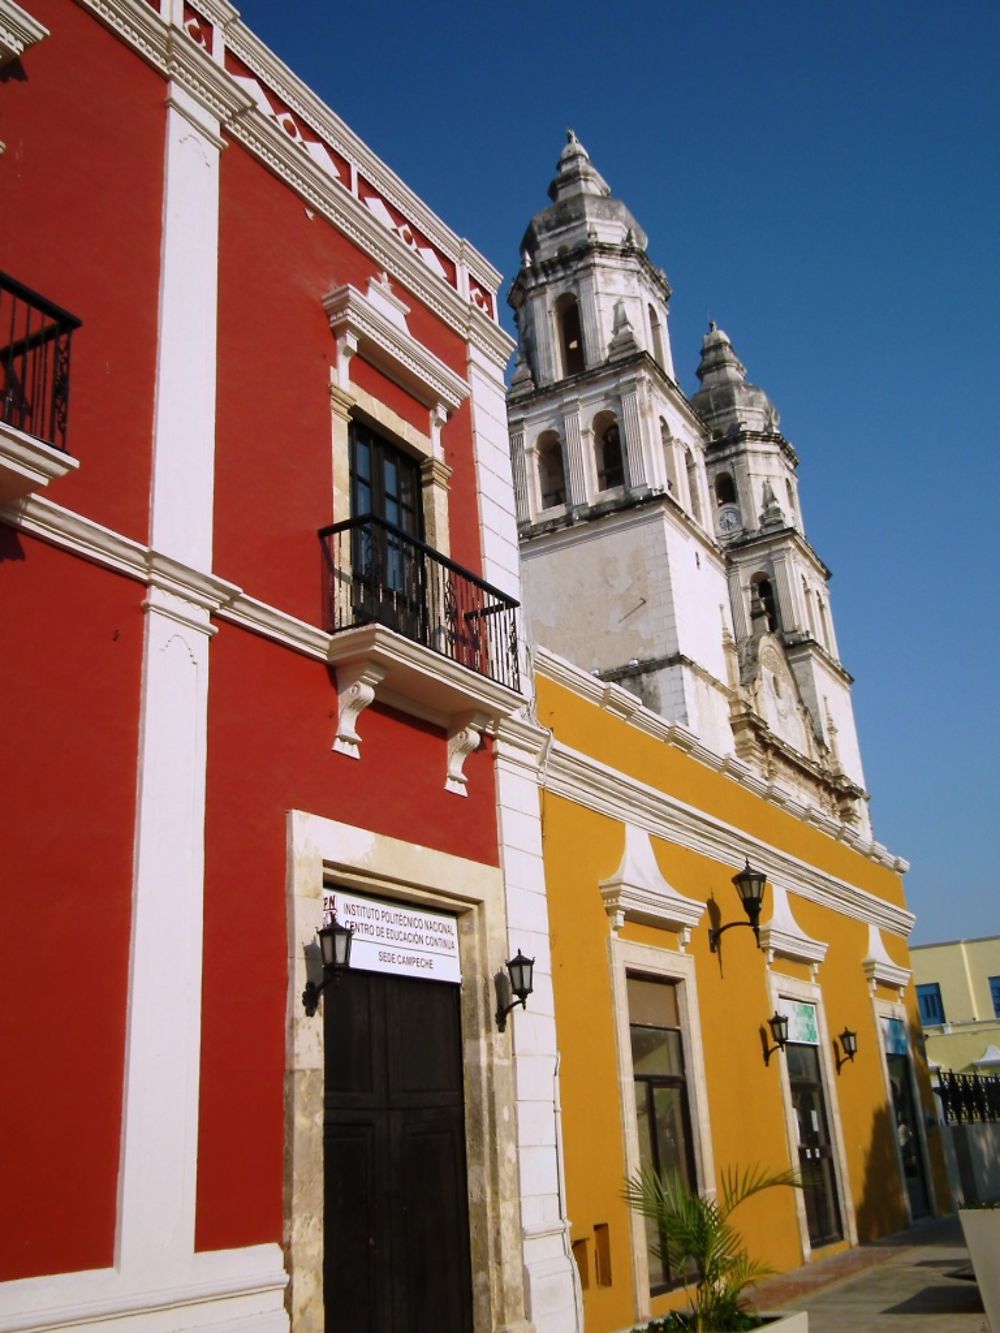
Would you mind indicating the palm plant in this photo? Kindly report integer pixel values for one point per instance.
(700, 1244)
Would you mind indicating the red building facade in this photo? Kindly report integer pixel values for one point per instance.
(258, 563)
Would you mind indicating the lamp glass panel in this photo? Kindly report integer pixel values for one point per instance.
(750, 886)
(327, 946)
(521, 970)
(342, 946)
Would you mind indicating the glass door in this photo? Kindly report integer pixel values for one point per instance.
(816, 1164)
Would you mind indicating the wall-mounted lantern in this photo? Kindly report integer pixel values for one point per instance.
(335, 949)
(778, 1023)
(750, 885)
(849, 1045)
(521, 972)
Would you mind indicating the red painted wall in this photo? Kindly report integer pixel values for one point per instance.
(81, 183)
(272, 717)
(274, 473)
(71, 645)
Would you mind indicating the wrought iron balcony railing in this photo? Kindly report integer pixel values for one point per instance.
(376, 573)
(34, 362)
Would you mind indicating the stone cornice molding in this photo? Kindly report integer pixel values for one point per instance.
(18, 31)
(387, 344)
(206, 81)
(606, 790)
(90, 541)
(638, 891)
(621, 703)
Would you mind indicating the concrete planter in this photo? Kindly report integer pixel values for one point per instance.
(782, 1323)
(981, 1228)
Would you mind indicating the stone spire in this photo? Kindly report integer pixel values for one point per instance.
(583, 210)
(726, 400)
(576, 173)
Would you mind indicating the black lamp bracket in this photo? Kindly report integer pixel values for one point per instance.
(713, 935)
(503, 1011)
(312, 992)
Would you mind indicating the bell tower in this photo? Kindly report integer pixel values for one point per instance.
(662, 541)
(778, 585)
(621, 572)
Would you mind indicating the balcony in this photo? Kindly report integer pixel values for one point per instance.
(377, 574)
(408, 623)
(35, 338)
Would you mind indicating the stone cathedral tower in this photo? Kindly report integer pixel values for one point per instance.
(662, 540)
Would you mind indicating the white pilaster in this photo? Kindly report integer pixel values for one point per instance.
(552, 1296)
(184, 422)
(159, 1142)
(633, 439)
(574, 456)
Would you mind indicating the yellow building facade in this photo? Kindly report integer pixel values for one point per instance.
(663, 1040)
(958, 984)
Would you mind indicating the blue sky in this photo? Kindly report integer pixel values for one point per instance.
(822, 180)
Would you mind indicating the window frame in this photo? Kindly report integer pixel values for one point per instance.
(649, 1084)
(928, 990)
(670, 964)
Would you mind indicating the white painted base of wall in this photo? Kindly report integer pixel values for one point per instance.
(222, 1290)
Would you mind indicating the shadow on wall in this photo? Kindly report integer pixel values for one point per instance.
(881, 1207)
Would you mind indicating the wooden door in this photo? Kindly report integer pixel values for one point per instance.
(396, 1194)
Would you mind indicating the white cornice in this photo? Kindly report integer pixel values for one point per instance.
(596, 786)
(259, 618)
(91, 541)
(18, 31)
(248, 48)
(621, 703)
(387, 344)
(172, 51)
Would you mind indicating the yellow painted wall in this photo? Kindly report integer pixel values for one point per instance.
(746, 1106)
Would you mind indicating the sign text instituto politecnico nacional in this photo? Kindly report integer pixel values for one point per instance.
(389, 937)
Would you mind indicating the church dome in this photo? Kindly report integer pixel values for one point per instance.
(726, 400)
(583, 208)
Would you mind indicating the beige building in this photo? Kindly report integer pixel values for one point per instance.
(958, 986)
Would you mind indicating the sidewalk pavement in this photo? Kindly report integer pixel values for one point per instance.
(918, 1281)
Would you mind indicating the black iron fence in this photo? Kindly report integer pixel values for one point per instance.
(375, 572)
(966, 1097)
(35, 340)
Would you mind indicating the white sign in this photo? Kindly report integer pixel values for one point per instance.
(389, 937)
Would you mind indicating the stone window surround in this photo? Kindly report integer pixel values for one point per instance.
(322, 851)
(435, 474)
(663, 964)
(896, 1009)
(781, 986)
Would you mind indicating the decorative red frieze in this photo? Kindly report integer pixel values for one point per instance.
(480, 297)
(394, 221)
(268, 102)
(197, 28)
